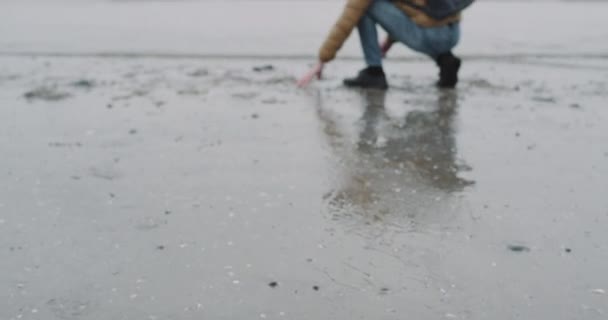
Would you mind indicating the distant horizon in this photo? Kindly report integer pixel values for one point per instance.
(80, 1)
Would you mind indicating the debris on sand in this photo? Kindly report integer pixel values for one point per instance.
(46, 94)
(518, 248)
(245, 95)
(106, 173)
(280, 80)
(65, 145)
(544, 99)
(598, 291)
(68, 308)
(199, 73)
(192, 92)
(9, 77)
(273, 101)
(84, 84)
(263, 68)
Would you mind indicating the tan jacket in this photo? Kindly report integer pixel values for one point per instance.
(352, 13)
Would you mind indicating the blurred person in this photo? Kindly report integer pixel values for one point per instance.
(431, 27)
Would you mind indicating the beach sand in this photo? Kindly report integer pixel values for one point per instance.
(140, 180)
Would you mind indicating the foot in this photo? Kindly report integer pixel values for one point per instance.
(369, 78)
(448, 70)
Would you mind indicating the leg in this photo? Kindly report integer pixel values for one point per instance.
(372, 76)
(437, 42)
(398, 25)
(441, 40)
(429, 41)
(440, 43)
(369, 41)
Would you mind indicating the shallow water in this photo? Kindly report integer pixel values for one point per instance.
(184, 189)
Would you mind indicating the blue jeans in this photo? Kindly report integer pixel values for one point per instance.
(429, 41)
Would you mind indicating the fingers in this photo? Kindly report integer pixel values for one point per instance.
(316, 71)
(305, 80)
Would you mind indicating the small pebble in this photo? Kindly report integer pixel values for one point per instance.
(518, 248)
(273, 284)
(316, 288)
(263, 68)
(87, 84)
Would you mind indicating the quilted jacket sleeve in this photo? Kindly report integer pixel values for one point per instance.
(352, 13)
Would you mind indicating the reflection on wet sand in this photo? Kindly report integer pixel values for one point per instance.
(394, 171)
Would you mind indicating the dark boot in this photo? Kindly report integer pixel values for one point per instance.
(370, 78)
(448, 70)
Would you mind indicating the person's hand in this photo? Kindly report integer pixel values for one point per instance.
(316, 71)
(386, 45)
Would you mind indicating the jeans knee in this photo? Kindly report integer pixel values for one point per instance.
(379, 9)
(440, 40)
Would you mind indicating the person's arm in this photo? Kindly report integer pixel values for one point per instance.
(352, 13)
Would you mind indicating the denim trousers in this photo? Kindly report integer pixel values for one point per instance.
(430, 41)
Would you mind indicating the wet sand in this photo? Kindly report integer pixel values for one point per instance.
(162, 189)
(206, 186)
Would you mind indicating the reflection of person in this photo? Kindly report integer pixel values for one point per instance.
(425, 142)
(404, 23)
(395, 165)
